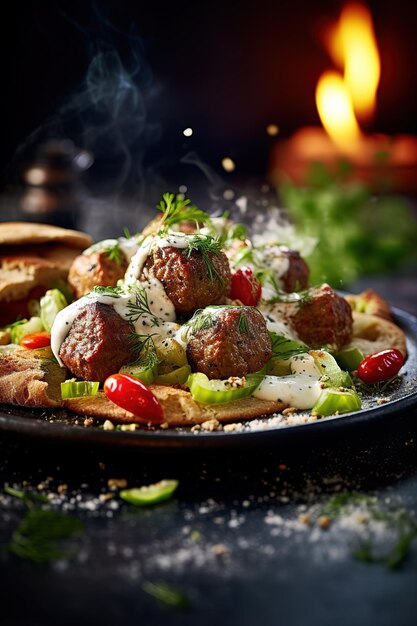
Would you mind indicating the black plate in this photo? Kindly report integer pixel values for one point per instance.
(59, 425)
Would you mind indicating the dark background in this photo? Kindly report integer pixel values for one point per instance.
(124, 78)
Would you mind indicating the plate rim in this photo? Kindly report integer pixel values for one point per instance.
(172, 439)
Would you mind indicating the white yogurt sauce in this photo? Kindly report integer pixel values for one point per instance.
(300, 390)
(162, 324)
(162, 318)
(129, 246)
(278, 318)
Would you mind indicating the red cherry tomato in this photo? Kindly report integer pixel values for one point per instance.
(381, 366)
(36, 340)
(245, 287)
(132, 395)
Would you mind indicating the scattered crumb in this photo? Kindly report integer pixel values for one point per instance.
(62, 488)
(88, 421)
(231, 428)
(324, 522)
(219, 549)
(164, 425)
(289, 410)
(211, 425)
(117, 483)
(304, 518)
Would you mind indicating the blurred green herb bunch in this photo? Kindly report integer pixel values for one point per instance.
(356, 231)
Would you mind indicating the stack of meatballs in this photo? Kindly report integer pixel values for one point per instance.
(235, 343)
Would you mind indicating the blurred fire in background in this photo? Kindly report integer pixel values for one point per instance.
(147, 91)
(346, 98)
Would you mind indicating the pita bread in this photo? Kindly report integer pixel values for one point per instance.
(372, 334)
(20, 274)
(180, 409)
(17, 233)
(29, 381)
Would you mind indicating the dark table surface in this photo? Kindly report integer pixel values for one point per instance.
(241, 539)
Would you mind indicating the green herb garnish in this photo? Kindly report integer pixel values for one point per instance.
(242, 324)
(114, 253)
(38, 535)
(205, 245)
(177, 209)
(144, 346)
(140, 306)
(201, 320)
(167, 595)
(400, 522)
(112, 292)
(25, 496)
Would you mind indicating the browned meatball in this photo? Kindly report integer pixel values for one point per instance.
(296, 277)
(88, 270)
(234, 341)
(187, 280)
(98, 343)
(324, 319)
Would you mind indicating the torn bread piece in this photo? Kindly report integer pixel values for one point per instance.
(180, 409)
(34, 258)
(372, 334)
(30, 233)
(27, 380)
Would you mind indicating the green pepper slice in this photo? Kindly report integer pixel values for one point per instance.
(220, 391)
(332, 375)
(332, 401)
(145, 374)
(150, 494)
(177, 376)
(78, 388)
(349, 358)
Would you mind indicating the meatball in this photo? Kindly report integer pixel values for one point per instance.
(324, 319)
(287, 267)
(192, 281)
(297, 274)
(98, 343)
(96, 268)
(229, 341)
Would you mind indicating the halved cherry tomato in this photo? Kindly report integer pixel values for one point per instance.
(132, 395)
(245, 287)
(381, 366)
(36, 340)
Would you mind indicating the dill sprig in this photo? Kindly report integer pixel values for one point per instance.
(112, 292)
(205, 245)
(37, 535)
(242, 324)
(377, 388)
(144, 346)
(285, 348)
(177, 209)
(201, 320)
(114, 253)
(139, 307)
(167, 595)
(400, 521)
(27, 497)
(301, 298)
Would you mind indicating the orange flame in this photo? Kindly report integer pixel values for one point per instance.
(340, 98)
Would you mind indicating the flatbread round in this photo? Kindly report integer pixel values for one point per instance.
(15, 233)
(180, 409)
(372, 334)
